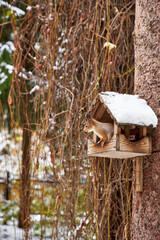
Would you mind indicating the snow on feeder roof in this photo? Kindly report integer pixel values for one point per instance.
(128, 109)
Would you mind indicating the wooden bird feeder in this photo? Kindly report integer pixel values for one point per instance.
(133, 122)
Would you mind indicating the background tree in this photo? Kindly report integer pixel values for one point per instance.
(146, 205)
(23, 115)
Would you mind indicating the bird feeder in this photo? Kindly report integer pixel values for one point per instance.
(133, 122)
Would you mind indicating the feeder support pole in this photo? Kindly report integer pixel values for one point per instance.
(139, 174)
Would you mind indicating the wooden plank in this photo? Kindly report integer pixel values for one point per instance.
(141, 146)
(100, 111)
(117, 132)
(97, 148)
(139, 174)
(117, 129)
(142, 132)
(95, 109)
(116, 154)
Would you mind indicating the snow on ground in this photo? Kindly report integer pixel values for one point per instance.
(10, 160)
(11, 232)
(10, 153)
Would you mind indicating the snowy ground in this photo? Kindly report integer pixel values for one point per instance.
(11, 154)
(10, 232)
(10, 161)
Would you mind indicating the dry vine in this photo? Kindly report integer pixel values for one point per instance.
(60, 64)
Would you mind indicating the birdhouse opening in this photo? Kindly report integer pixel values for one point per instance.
(134, 133)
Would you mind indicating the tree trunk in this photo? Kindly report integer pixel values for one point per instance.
(146, 205)
(24, 213)
(25, 181)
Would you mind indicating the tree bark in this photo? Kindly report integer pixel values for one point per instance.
(146, 205)
(24, 212)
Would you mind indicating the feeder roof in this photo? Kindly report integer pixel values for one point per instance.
(128, 109)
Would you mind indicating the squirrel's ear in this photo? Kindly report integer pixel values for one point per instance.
(88, 116)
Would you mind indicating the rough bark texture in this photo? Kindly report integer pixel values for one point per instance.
(146, 205)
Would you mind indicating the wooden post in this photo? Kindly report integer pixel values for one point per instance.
(143, 132)
(139, 174)
(117, 132)
(117, 129)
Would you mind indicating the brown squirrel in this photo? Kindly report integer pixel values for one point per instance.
(103, 130)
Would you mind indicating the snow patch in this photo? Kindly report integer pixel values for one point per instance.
(35, 89)
(37, 46)
(18, 11)
(50, 17)
(29, 8)
(10, 232)
(22, 75)
(8, 46)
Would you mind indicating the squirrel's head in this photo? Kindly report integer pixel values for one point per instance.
(88, 125)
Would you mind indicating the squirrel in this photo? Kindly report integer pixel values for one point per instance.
(103, 130)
